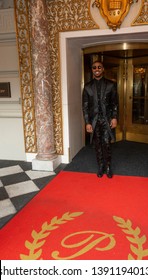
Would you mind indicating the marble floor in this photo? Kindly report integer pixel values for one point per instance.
(18, 185)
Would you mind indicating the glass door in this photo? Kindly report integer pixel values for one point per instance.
(140, 95)
(131, 74)
(137, 101)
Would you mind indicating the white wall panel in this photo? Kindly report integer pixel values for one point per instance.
(11, 124)
(11, 140)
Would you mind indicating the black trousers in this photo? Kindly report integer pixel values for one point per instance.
(102, 141)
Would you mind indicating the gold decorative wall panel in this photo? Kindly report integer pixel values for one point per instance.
(63, 15)
(22, 30)
(142, 17)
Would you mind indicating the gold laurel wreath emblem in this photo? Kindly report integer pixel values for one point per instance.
(134, 238)
(39, 238)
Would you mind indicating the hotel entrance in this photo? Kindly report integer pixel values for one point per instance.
(127, 64)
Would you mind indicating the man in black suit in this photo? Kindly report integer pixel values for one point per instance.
(100, 106)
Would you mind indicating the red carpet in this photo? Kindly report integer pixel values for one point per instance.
(79, 216)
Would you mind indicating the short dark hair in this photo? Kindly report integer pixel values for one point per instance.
(97, 61)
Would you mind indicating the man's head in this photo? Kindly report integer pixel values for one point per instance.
(97, 69)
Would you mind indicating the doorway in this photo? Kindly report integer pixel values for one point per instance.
(72, 46)
(127, 64)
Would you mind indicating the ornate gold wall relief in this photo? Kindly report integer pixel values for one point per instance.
(113, 11)
(63, 15)
(22, 30)
(142, 17)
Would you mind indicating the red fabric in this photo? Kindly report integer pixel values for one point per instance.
(91, 205)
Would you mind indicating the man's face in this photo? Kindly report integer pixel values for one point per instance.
(97, 69)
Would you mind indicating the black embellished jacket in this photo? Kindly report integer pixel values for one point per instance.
(108, 99)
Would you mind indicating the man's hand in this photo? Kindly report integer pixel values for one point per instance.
(89, 128)
(113, 123)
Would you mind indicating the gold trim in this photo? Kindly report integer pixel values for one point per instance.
(23, 41)
(142, 18)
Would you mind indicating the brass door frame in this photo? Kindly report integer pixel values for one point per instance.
(115, 47)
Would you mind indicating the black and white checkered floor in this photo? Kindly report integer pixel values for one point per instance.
(18, 185)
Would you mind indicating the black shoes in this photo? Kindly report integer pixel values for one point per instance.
(109, 172)
(101, 172)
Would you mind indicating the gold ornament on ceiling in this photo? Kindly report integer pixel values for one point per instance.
(113, 11)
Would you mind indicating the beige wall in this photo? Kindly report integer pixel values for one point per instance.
(11, 126)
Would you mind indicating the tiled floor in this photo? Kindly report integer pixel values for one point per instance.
(18, 185)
